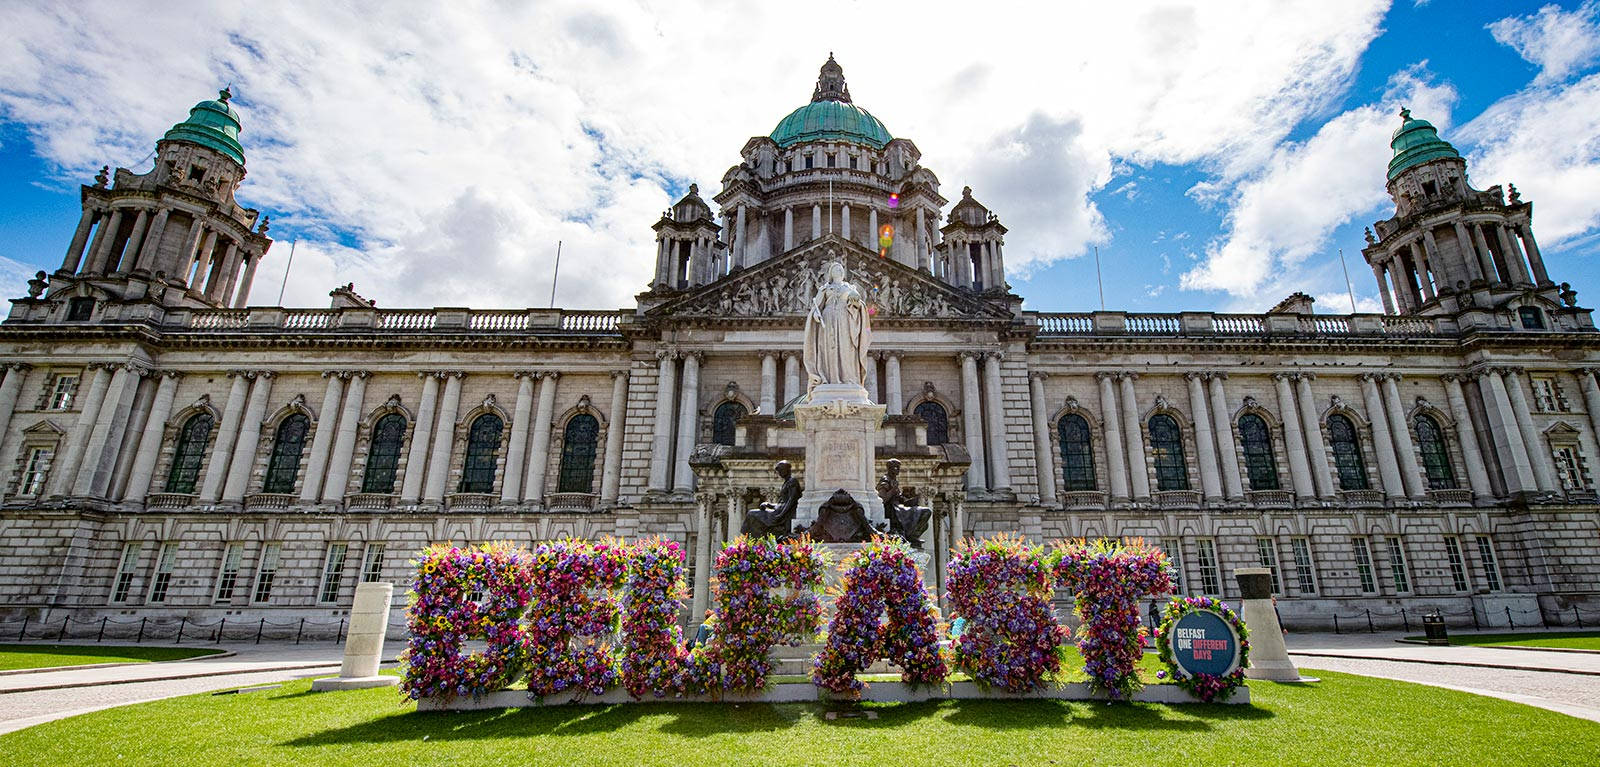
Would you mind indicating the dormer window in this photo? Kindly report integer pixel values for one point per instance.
(852, 162)
(808, 162)
(80, 309)
(196, 173)
(1532, 318)
(830, 159)
(1429, 188)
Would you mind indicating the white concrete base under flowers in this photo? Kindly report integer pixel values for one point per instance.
(803, 692)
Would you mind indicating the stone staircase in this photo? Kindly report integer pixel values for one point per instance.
(797, 660)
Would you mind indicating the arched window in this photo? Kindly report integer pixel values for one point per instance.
(189, 454)
(287, 445)
(1435, 456)
(577, 453)
(383, 457)
(1077, 455)
(1347, 453)
(1259, 464)
(933, 414)
(483, 448)
(1166, 443)
(722, 422)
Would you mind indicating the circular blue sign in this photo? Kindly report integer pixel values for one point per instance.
(1203, 643)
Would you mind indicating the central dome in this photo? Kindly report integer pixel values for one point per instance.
(212, 124)
(830, 115)
(1415, 142)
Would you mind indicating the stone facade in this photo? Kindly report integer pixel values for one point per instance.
(166, 451)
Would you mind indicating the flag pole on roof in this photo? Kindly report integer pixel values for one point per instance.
(286, 269)
(555, 275)
(1097, 281)
(1347, 285)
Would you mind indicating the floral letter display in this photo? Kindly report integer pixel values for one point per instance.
(1002, 587)
(881, 576)
(441, 618)
(571, 606)
(750, 617)
(1109, 578)
(653, 656)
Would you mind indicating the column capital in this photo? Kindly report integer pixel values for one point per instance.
(1284, 376)
(1216, 375)
(447, 374)
(1455, 377)
(521, 374)
(666, 353)
(1194, 375)
(1105, 375)
(265, 374)
(550, 374)
(135, 368)
(1373, 377)
(790, 354)
(1038, 375)
(24, 366)
(698, 355)
(1127, 375)
(968, 354)
(349, 374)
(994, 355)
(174, 374)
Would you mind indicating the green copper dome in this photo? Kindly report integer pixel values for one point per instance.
(1416, 142)
(830, 115)
(212, 124)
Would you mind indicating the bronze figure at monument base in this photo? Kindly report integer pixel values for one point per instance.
(841, 519)
(775, 518)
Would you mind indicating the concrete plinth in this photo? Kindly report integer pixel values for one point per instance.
(1269, 657)
(363, 648)
(840, 426)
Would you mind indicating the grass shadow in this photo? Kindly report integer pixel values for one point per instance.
(691, 719)
(1010, 715)
(444, 726)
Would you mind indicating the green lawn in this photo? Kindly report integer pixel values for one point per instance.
(1345, 720)
(20, 656)
(1573, 640)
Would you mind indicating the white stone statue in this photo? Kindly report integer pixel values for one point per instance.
(837, 332)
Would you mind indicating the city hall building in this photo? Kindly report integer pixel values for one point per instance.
(170, 449)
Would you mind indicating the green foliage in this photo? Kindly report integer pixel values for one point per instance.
(1571, 640)
(21, 656)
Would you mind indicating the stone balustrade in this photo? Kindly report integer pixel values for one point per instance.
(1052, 324)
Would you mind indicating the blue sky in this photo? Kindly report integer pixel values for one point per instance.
(1218, 154)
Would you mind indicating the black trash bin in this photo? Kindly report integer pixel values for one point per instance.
(1433, 626)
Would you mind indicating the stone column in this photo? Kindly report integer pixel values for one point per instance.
(994, 402)
(1469, 253)
(1378, 273)
(972, 421)
(1420, 259)
(663, 254)
(1382, 439)
(10, 391)
(517, 448)
(661, 439)
(94, 474)
(1467, 434)
(1491, 272)
(920, 249)
(194, 236)
(146, 257)
(1535, 260)
(66, 471)
(1111, 427)
(688, 421)
(769, 384)
(1043, 461)
(125, 259)
(344, 445)
(844, 219)
(741, 254)
(872, 222)
(611, 473)
(1205, 444)
(149, 449)
(322, 438)
(1400, 431)
(208, 247)
(893, 395)
(103, 243)
(1316, 448)
(999, 264)
(1538, 453)
(244, 450)
(702, 558)
(788, 228)
(421, 434)
(227, 432)
(1222, 424)
(871, 382)
(1430, 248)
(363, 650)
(1294, 440)
(444, 438)
(243, 298)
(1515, 465)
(80, 237)
(1133, 437)
(539, 449)
(1513, 258)
(791, 377)
(219, 277)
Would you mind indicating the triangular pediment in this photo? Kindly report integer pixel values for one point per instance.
(45, 428)
(784, 285)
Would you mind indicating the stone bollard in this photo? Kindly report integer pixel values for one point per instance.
(363, 648)
(1269, 657)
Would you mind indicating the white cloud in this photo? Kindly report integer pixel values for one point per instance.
(1559, 42)
(434, 153)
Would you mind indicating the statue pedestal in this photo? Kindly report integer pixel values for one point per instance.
(841, 431)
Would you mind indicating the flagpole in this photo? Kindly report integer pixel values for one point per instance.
(556, 275)
(1347, 285)
(286, 269)
(1101, 283)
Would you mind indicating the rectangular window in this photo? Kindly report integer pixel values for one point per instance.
(372, 566)
(1547, 394)
(1571, 468)
(333, 572)
(1305, 571)
(1266, 552)
(228, 578)
(1174, 549)
(1458, 565)
(1369, 582)
(853, 162)
(266, 572)
(165, 559)
(1491, 564)
(1210, 574)
(1397, 566)
(36, 471)
(808, 162)
(125, 569)
(61, 392)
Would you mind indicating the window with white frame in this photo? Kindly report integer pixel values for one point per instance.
(1174, 550)
(333, 572)
(1267, 554)
(1571, 467)
(62, 389)
(228, 576)
(36, 471)
(1491, 563)
(1210, 574)
(1305, 569)
(372, 564)
(126, 566)
(1547, 394)
(266, 572)
(166, 559)
(1397, 565)
(1369, 581)
(1458, 564)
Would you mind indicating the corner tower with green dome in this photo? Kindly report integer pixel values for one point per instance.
(173, 236)
(1452, 249)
